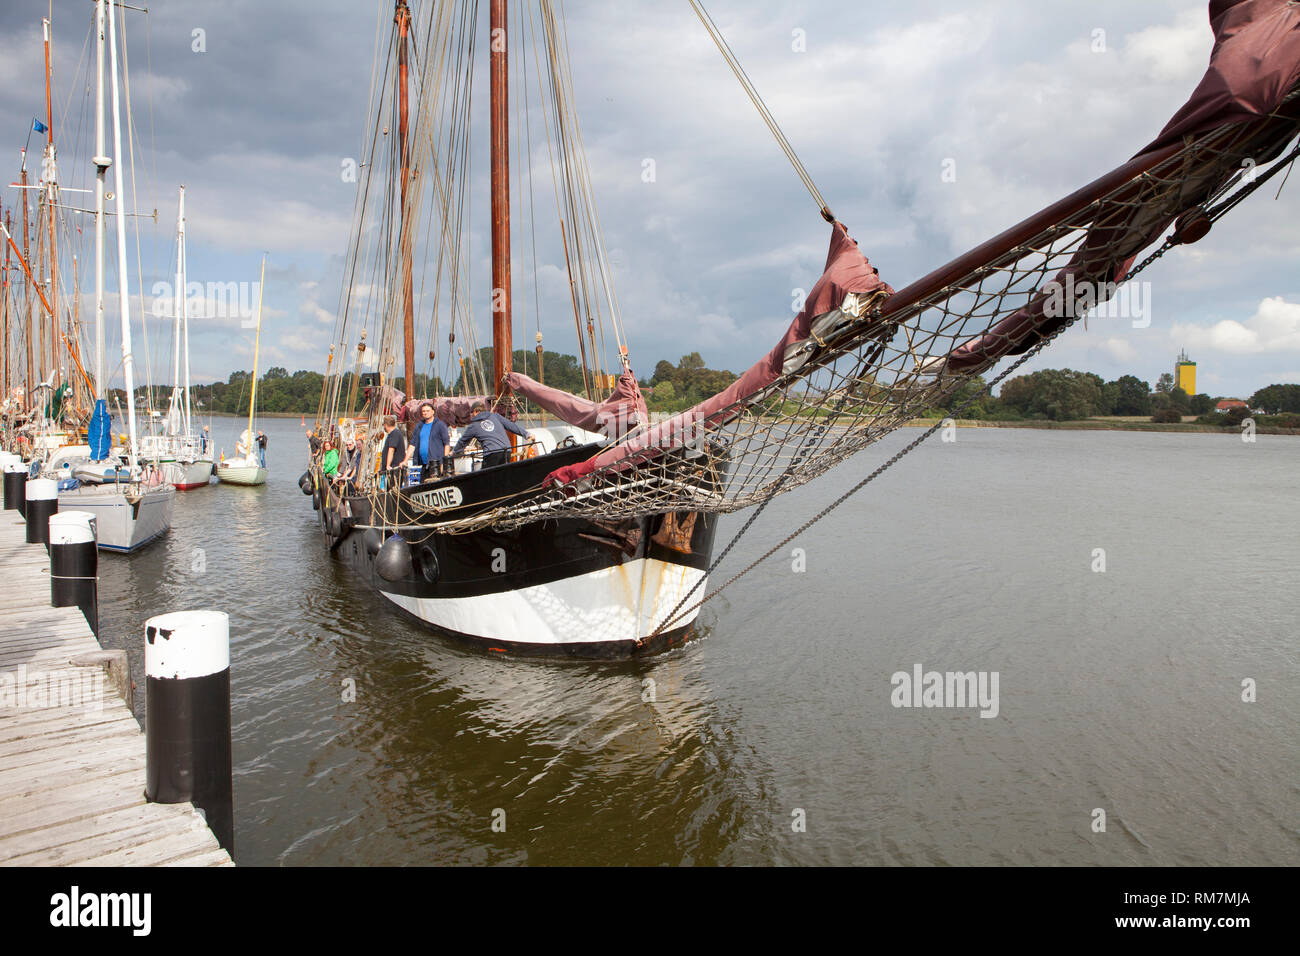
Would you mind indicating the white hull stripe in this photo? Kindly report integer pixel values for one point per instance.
(623, 603)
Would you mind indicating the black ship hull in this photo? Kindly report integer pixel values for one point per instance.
(556, 588)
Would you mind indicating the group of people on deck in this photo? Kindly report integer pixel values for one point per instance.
(429, 446)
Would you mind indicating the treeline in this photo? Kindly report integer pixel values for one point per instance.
(1068, 395)
(1049, 394)
(675, 388)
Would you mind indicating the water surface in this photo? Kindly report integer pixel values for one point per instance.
(1119, 690)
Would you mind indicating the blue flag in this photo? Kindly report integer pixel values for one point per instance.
(38, 126)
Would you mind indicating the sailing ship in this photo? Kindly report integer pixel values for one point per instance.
(124, 490)
(600, 544)
(247, 467)
(135, 507)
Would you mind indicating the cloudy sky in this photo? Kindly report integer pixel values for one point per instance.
(879, 99)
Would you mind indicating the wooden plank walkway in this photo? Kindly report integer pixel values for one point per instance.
(72, 756)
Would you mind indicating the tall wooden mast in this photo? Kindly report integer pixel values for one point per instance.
(27, 299)
(501, 324)
(49, 175)
(4, 310)
(405, 233)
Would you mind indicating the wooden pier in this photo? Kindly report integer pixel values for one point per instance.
(72, 757)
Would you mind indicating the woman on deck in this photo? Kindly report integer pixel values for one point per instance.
(330, 463)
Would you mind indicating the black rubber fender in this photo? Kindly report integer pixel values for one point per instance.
(429, 563)
(393, 562)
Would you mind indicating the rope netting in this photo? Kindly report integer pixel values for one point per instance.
(877, 362)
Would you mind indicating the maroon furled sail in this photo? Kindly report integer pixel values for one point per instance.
(847, 271)
(455, 411)
(1254, 65)
(617, 415)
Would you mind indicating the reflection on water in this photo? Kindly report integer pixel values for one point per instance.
(362, 739)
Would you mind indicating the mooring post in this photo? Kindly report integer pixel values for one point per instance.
(16, 487)
(74, 564)
(42, 497)
(187, 721)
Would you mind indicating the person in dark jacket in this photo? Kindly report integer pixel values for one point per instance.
(392, 456)
(430, 443)
(489, 430)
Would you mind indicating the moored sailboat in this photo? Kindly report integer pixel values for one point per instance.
(186, 460)
(581, 587)
(605, 547)
(248, 467)
(135, 508)
(132, 505)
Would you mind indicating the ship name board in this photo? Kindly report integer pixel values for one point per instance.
(439, 499)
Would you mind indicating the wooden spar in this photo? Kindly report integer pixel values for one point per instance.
(51, 199)
(403, 18)
(4, 310)
(31, 324)
(1003, 245)
(502, 352)
(27, 270)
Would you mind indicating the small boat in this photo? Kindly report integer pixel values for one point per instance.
(244, 470)
(247, 467)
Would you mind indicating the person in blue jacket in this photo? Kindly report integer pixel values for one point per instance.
(430, 443)
(489, 429)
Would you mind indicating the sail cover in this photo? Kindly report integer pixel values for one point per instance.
(620, 413)
(455, 411)
(99, 433)
(849, 285)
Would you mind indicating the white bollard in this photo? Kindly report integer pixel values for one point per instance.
(15, 479)
(187, 723)
(74, 564)
(42, 501)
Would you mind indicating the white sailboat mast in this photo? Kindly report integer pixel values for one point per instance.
(101, 162)
(123, 276)
(183, 279)
(257, 344)
(180, 291)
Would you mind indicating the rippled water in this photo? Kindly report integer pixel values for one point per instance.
(1118, 690)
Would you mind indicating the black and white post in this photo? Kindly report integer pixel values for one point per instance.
(42, 497)
(74, 564)
(187, 726)
(15, 473)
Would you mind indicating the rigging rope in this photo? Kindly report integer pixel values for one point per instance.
(763, 111)
(677, 613)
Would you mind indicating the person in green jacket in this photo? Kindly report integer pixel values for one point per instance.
(330, 463)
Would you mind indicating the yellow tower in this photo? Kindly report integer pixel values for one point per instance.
(1185, 374)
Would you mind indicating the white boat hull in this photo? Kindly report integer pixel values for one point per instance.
(122, 525)
(238, 471)
(618, 604)
(186, 475)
